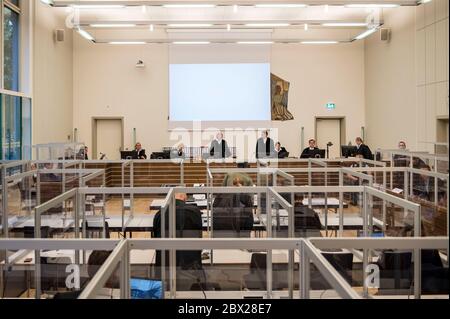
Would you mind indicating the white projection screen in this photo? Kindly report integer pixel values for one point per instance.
(222, 87)
(219, 92)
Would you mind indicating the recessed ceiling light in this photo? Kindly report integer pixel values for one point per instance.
(189, 6)
(366, 34)
(98, 6)
(267, 25)
(375, 5)
(319, 42)
(345, 24)
(280, 5)
(190, 25)
(112, 25)
(127, 42)
(85, 34)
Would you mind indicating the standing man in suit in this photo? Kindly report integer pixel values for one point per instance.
(219, 147)
(310, 151)
(281, 151)
(140, 152)
(265, 147)
(363, 149)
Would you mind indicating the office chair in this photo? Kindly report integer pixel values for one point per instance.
(395, 270)
(28, 232)
(256, 279)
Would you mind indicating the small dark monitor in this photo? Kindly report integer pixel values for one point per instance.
(319, 154)
(126, 155)
(347, 151)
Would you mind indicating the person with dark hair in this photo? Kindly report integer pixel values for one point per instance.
(265, 147)
(219, 147)
(311, 150)
(281, 151)
(139, 151)
(178, 152)
(363, 149)
(188, 223)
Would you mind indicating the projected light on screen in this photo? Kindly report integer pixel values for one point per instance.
(220, 92)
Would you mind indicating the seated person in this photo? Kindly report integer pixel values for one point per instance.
(139, 152)
(310, 151)
(233, 213)
(178, 153)
(188, 225)
(363, 149)
(281, 151)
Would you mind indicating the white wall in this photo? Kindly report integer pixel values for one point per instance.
(106, 83)
(320, 75)
(53, 77)
(432, 56)
(407, 78)
(390, 84)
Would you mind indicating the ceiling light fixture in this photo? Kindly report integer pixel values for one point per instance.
(319, 42)
(365, 34)
(280, 5)
(190, 25)
(112, 25)
(127, 42)
(98, 6)
(345, 24)
(85, 34)
(372, 6)
(171, 6)
(267, 25)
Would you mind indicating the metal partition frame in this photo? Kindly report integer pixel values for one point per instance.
(366, 244)
(37, 228)
(50, 244)
(124, 166)
(83, 191)
(335, 279)
(411, 155)
(52, 146)
(5, 181)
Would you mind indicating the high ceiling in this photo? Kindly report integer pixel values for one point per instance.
(227, 21)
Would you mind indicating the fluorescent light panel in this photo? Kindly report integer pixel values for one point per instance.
(112, 25)
(265, 25)
(345, 24)
(374, 5)
(170, 6)
(98, 6)
(190, 25)
(85, 34)
(366, 34)
(280, 5)
(319, 42)
(127, 42)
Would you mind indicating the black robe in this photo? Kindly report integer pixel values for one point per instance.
(219, 150)
(267, 150)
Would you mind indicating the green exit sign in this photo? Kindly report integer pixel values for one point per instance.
(331, 106)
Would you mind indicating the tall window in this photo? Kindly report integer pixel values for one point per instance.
(15, 107)
(11, 42)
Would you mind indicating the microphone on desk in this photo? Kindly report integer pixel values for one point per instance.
(102, 156)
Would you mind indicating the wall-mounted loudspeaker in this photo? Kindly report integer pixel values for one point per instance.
(60, 35)
(385, 34)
